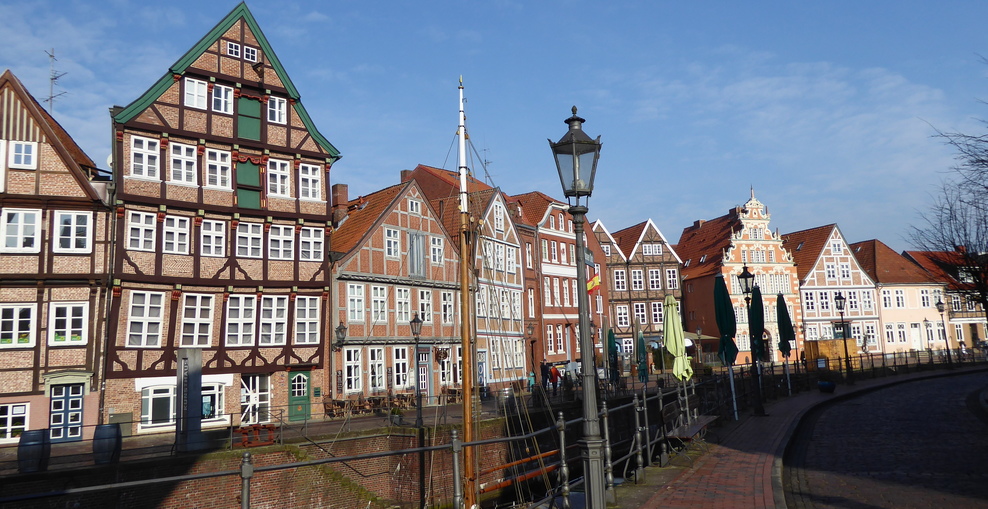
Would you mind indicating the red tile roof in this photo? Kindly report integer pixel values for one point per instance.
(534, 205)
(806, 246)
(363, 215)
(628, 238)
(708, 238)
(885, 266)
(941, 265)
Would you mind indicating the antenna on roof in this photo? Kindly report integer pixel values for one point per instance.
(52, 80)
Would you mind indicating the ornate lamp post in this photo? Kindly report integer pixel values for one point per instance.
(416, 325)
(840, 300)
(576, 157)
(340, 336)
(747, 281)
(699, 345)
(946, 337)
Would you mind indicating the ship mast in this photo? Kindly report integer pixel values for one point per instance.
(466, 259)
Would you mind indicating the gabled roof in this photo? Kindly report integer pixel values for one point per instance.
(707, 240)
(79, 164)
(807, 246)
(448, 209)
(630, 238)
(363, 216)
(942, 266)
(885, 266)
(598, 226)
(536, 205)
(179, 67)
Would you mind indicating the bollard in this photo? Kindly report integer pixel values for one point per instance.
(640, 471)
(563, 467)
(663, 454)
(457, 484)
(648, 439)
(246, 472)
(608, 467)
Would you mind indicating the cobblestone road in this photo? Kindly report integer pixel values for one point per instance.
(921, 444)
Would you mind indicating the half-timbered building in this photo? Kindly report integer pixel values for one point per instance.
(222, 211)
(54, 254)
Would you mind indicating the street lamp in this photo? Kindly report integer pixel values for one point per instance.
(340, 336)
(576, 157)
(747, 280)
(529, 331)
(416, 325)
(699, 346)
(840, 300)
(946, 337)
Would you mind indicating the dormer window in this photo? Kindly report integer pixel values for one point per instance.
(233, 49)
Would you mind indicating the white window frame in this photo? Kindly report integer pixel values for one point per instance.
(392, 243)
(14, 421)
(414, 207)
(641, 315)
(241, 312)
(175, 235)
(183, 164)
(217, 169)
(223, 99)
(197, 320)
(281, 242)
(353, 374)
(277, 110)
(623, 319)
(250, 53)
(309, 182)
(77, 229)
(195, 93)
(19, 227)
(148, 396)
(672, 279)
(250, 240)
(637, 280)
(212, 235)
(279, 178)
(654, 279)
(379, 304)
(658, 312)
(16, 330)
(375, 370)
(145, 157)
(399, 359)
(355, 302)
(306, 320)
(437, 255)
(620, 281)
(403, 305)
(23, 155)
(425, 305)
(233, 49)
(65, 319)
(274, 321)
(310, 244)
(448, 309)
(145, 319)
(142, 230)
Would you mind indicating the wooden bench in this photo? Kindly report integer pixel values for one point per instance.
(690, 435)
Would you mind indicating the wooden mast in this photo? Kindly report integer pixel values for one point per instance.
(466, 259)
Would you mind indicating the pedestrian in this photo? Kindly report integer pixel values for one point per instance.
(531, 381)
(544, 371)
(554, 378)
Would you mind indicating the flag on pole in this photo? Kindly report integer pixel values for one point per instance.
(594, 282)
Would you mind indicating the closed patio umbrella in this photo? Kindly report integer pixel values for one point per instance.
(727, 327)
(612, 357)
(642, 359)
(756, 328)
(786, 334)
(675, 342)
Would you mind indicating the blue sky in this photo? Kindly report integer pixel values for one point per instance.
(827, 109)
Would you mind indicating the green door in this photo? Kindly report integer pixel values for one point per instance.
(298, 398)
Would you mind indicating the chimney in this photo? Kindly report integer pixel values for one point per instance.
(698, 223)
(406, 175)
(340, 201)
(960, 249)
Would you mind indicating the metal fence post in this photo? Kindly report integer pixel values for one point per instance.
(457, 484)
(563, 467)
(246, 472)
(640, 471)
(608, 467)
(648, 439)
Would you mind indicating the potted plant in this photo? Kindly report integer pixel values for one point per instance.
(827, 381)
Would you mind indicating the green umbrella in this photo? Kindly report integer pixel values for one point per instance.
(642, 359)
(612, 356)
(675, 340)
(756, 324)
(786, 332)
(726, 322)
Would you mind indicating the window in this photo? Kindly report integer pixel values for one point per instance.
(425, 305)
(392, 243)
(620, 282)
(352, 370)
(281, 242)
(403, 305)
(306, 320)
(414, 207)
(400, 363)
(217, 169)
(13, 421)
(845, 271)
(309, 182)
(545, 250)
(274, 321)
(528, 254)
(448, 307)
(552, 222)
(837, 247)
(233, 49)
(546, 296)
(213, 241)
(183, 163)
(157, 406)
(672, 279)
(606, 248)
(622, 315)
(416, 254)
(222, 99)
(176, 235)
(886, 298)
(255, 399)
(212, 401)
(654, 279)
(197, 320)
(355, 302)
(889, 333)
(140, 231)
(866, 300)
(240, 320)
(852, 300)
(68, 323)
(550, 341)
(562, 254)
(23, 155)
(311, 244)
(555, 292)
(250, 54)
(640, 315)
(900, 298)
(566, 294)
(924, 298)
(375, 369)
(531, 303)
(555, 253)
(277, 108)
(831, 271)
(278, 178)
(809, 301)
(195, 93)
(637, 280)
(436, 253)
(563, 343)
(250, 236)
(657, 312)
(824, 301)
(143, 157)
(73, 232)
(145, 319)
(379, 304)
(20, 231)
(17, 325)
(955, 302)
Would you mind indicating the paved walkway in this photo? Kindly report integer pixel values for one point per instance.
(743, 467)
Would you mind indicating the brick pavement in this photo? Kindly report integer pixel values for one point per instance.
(743, 468)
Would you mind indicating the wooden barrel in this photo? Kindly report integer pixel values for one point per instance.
(33, 451)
